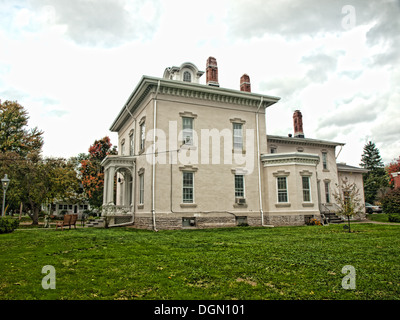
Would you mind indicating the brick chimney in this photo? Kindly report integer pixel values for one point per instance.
(245, 83)
(212, 72)
(298, 124)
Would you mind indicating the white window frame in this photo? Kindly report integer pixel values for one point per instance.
(325, 160)
(187, 132)
(187, 187)
(237, 138)
(279, 191)
(131, 143)
(187, 76)
(237, 189)
(142, 136)
(327, 191)
(141, 188)
(306, 190)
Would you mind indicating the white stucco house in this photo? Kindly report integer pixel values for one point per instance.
(195, 155)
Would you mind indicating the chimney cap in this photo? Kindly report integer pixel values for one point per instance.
(245, 83)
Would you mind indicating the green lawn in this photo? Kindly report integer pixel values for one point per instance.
(233, 263)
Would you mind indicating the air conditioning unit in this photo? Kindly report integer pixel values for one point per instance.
(240, 200)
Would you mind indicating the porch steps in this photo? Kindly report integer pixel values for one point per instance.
(97, 223)
(332, 217)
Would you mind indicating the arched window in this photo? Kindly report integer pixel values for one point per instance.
(187, 76)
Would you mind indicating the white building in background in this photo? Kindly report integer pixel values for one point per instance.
(197, 156)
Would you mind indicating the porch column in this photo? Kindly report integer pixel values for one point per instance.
(105, 187)
(110, 185)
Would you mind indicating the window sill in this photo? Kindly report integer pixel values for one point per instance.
(188, 205)
(239, 151)
(188, 147)
(308, 204)
(237, 205)
(282, 205)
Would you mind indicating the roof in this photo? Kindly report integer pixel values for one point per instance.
(155, 85)
(303, 141)
(342, 167)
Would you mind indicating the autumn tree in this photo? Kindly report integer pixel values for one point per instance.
(91, 172)
(394, 166)
(376, 177)
(33, 179)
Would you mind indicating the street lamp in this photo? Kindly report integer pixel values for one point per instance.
(4, 182)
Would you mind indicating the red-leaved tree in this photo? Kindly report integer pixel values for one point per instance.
(92, 174)
(394, 166)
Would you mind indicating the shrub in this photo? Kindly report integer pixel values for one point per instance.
(314, 222)
(391, 201)
(394, 217)
(8, 225)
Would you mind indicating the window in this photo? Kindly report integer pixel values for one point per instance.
(239, 186)
(142, 135)
(123, 147)
(189, 222)
(273, 150)
(131, 144)
(306, 189)
(327, 197)
(237, 136)
(187, 125)
(282, 189)
(141, 188)
(324, 160)
(187, 76)
(187, 187)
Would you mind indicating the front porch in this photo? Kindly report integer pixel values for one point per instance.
(119, 190)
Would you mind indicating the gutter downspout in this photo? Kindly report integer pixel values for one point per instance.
(134, 167)
(341, 147)
(258, 164)
(154, 158)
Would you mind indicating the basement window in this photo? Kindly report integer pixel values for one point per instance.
(241, 221)
(188, 222)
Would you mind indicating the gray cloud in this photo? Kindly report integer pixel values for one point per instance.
(288, 18)
(292, 19)
(321, 64)
(103, 22)
(365, 111)
(386, 32)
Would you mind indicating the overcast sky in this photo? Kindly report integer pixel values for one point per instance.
(73, 63)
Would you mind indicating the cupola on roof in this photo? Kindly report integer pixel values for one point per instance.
(187, 72)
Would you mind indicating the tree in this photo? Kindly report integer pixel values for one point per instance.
(33, 180)
(348, 199)
(91, 172)
(14, 136)
(376, 177)
(394, 166)
(371, 158)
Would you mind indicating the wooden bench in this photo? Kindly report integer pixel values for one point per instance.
(69, 220)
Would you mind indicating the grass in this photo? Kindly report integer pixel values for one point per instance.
(233, 263)
(380, 217)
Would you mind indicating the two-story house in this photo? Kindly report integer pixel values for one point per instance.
(198, 155)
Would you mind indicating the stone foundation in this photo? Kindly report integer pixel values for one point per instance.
(289, 219)
(168, 221)
(196, 220)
